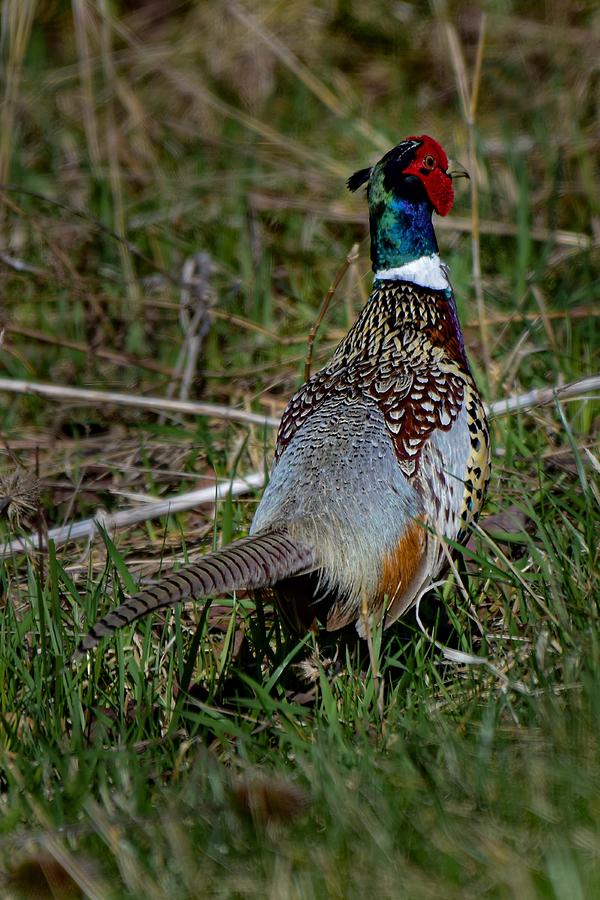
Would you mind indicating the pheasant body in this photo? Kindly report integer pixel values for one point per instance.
(383, 455)
(387, 441)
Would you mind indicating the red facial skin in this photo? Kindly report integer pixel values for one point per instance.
(430, 165)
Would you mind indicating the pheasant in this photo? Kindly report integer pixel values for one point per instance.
(381, 457)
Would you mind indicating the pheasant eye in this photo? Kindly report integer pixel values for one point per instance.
(429, 163)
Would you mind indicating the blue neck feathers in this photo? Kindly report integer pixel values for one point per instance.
(401, 231)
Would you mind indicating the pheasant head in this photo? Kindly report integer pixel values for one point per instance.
(404, 188)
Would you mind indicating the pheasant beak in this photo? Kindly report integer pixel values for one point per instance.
(456, 170)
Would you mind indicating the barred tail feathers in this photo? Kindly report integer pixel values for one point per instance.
(257, 561)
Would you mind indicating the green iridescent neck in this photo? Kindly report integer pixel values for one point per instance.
(401, 226)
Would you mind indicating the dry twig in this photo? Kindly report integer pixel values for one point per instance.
(352, 256)
(537, 397)
(87, 528)
(156, 404)
(542, 396)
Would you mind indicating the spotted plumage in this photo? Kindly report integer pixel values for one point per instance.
(382, 457)
(404, 357)
(406, 353)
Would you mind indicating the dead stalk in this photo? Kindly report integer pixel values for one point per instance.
(468, 102)
(352, 256)
(537, 397)
(156, 404)
(475, 244)
(131, 308)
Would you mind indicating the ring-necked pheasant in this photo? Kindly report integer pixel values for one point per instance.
(381, 456)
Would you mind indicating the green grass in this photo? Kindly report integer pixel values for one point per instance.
(205, 753)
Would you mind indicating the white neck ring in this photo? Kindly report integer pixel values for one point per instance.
(426, 271)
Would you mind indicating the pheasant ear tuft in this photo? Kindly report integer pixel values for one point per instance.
(360, 177)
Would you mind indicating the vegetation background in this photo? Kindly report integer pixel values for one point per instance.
(173, 212)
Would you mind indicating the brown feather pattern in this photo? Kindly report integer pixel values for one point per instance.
(404, 352)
